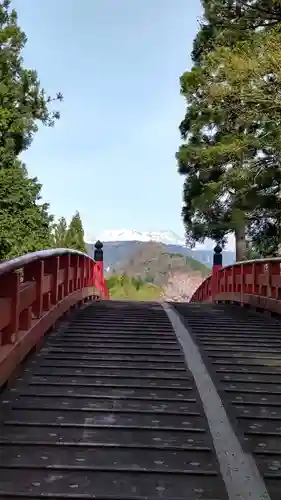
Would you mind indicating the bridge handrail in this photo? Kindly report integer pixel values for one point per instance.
(36, 290)
(19, 262)
(254, 261)
(255, 283)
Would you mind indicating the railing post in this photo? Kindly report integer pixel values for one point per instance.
(98, 256)
(52, 267)
(10, 288)
(217, 265)
(35, 272)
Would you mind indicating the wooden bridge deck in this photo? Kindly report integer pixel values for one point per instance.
(110, 407)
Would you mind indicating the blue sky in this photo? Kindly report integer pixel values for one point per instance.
(117, 63)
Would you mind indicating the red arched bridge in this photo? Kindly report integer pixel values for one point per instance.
(138, 401)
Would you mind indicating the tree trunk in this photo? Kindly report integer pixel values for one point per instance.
(279, 243)
(241, 243)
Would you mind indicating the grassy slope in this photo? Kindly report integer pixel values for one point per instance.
(121, 288)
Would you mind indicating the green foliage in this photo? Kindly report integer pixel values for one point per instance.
(59, 233)
(24, 221)
(190, 263)
(252, 70)
(137, 283)
(230, 156)
(265, 237)
(123, 287)
(24, 224)
(22, 100)
(74, 237)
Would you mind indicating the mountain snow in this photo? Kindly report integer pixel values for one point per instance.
(167, 237)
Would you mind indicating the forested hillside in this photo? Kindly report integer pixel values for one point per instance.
(152, 263)
(151, 272)
(119, 251)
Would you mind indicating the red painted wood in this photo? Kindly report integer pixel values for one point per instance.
(35, 291)
(255, 283)
(214, 280)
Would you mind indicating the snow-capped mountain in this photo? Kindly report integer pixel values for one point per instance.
(166, 237)
(120, 243)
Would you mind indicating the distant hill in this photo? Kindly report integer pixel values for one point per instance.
(153, 263)
(119, 251)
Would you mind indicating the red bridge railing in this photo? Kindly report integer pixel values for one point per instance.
(36, 290)
(255, 283)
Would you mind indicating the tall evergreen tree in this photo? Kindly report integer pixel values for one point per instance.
(24, 223)
(75, 234)
(24, 220)
(252, 71)
(221, 157)
(59, 233)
